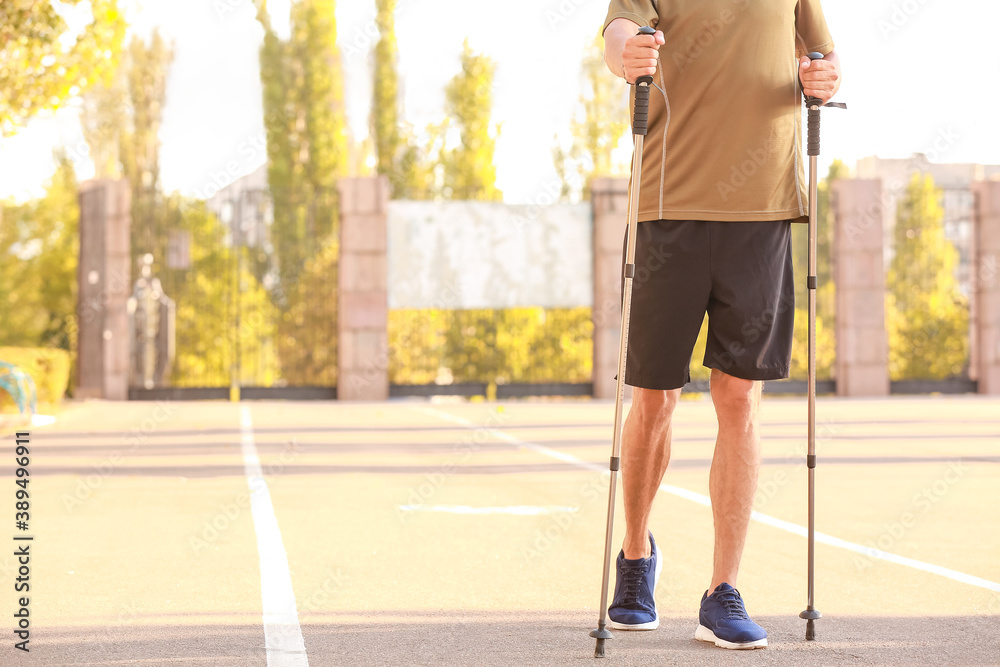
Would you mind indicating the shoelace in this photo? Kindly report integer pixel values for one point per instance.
(733, 603)
(633, 582)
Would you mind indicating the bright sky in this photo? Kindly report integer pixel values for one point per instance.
(914, 69)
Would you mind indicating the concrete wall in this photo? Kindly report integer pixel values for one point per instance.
(862, 365)
(104, 287)
(362, 321)
(609, 200)
(986, 286)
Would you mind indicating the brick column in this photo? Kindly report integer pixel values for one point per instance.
(363, 310)
(986, 286)
(104, 285)
(609, 203)
(862, 365)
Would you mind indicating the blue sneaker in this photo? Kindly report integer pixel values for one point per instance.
(633, 607)
(723, 620)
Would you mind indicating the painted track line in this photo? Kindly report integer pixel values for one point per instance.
(282, 634)
(759, 517)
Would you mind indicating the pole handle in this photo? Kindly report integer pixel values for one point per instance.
(640, 111)
(813, 101)
(813, 104)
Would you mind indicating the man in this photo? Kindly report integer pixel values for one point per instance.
(722, 182)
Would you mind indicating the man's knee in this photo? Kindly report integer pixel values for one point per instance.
(736, 400)
(654, 406)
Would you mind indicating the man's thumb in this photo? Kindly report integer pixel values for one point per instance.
(804, 62)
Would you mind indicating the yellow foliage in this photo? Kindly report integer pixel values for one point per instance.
(502, 346)
(48, 367)
(927, 316)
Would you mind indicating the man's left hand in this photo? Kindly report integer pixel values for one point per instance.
(820, 78)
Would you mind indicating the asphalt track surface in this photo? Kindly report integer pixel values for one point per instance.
(416, 533)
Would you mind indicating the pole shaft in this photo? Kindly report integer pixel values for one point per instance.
(616, 447)
(813, 206)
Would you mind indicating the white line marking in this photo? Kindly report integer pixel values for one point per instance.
(760, 517)
(516, 510)
(282, 633)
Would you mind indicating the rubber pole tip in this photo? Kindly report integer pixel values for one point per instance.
(599, 649)
(810, 630)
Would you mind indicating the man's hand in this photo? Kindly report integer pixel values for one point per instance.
(630, 55)
(820, 78)
(640, 56)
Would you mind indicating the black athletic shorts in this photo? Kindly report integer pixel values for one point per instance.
(740, 273)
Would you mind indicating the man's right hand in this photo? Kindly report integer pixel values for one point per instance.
(628, 54)
(641, 54)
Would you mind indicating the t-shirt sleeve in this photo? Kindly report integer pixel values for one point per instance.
(642, 12)
(811, 32)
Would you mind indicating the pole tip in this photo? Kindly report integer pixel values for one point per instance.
(599, 649)
(810, 630)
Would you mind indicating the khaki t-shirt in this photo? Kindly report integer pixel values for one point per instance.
(724, 138)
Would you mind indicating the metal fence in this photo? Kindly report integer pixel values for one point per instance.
(254, 285)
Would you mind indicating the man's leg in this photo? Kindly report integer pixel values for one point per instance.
(645, 455)
(733, 479)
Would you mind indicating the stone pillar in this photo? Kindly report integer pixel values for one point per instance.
(986, 286)
(862, 365)
(363, 306)
(609, 203)
(104, 286)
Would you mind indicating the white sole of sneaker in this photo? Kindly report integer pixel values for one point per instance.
(706, 635)
(655, 623)
(652, 625)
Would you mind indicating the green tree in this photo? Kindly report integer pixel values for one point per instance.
(39, 251)
(385, 98)
(928, 318)
(306, 127)
(597, 130)
(223, 312)
(41, 63)
(305, 121)
(146, 76)
(469, 169)
(121, 123)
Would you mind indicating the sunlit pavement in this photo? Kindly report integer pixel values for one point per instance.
(472, 534)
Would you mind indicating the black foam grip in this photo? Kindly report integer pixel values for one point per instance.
(813, 126)
(640, 115)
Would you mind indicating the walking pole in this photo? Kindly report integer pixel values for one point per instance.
(813, 104)
(640, 117)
